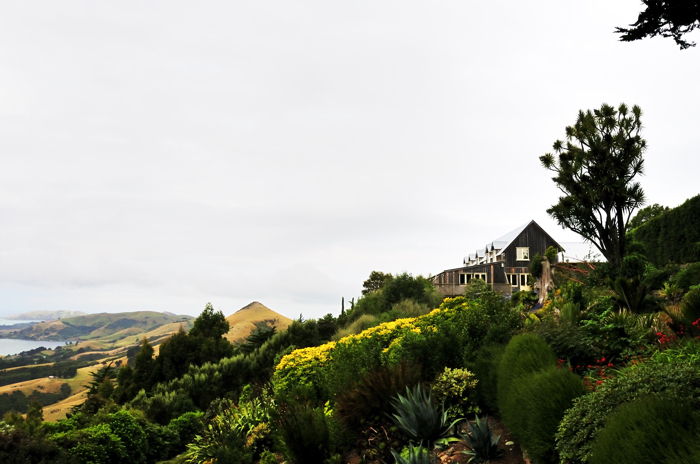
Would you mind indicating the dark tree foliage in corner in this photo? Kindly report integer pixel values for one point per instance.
(595, 170)
(667, 18)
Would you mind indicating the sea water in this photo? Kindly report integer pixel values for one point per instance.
(10, 346)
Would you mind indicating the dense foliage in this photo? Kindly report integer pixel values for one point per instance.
(595, 170)
(672, 236)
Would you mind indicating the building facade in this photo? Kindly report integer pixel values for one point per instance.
(503, 263)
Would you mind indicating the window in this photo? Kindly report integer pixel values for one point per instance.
(523, 280)
(513, 279)
(523, 253)
(462, 279)
(480, 276)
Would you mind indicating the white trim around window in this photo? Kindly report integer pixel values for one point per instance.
(522, 253)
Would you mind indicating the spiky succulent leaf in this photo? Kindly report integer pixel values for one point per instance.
(419, 418)
(482, 441)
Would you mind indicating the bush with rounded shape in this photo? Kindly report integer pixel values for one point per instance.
(688, 277)
(129, 431)
(537, 404)
(649, 429)
(582, 422)
(17, 446)
(485, 368)
(475, 288)
(94, 445)
(360, 324)
(524, 355)
(410, 308)
(186, 426)
(568, 341)
(455, 388)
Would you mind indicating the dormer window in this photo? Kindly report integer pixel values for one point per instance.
(523, 253)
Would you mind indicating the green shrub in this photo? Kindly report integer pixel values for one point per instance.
(476, 288)
(186, 427)
(123, 425)
(222, 439)
(690, 306)
(582, 422)
(161, 442)
(410, 308)
(651, 429)
(536, 267)
(455, 389)
(568, 341)
(369, 398)
(268, 457)
(485, 368)
(524, 355)
(161, 408)
(304, 432)
(218, 444)
(19, 447)
(688, 277)
(92, 445)
(570, 313)
(536, 405)
(446, 337)
(360, 324)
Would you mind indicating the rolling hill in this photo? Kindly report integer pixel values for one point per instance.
(106, 337)
(108, 327)
(251, 317)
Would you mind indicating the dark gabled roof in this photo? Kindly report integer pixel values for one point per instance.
(503, 242)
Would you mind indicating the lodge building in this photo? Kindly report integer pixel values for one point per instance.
(503, 263)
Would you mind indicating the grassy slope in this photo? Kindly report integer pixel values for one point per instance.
(113, 343)
(108, 327)
(243, 322)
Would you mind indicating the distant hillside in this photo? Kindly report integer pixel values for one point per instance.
(110, 327)
(254, 316)
(45, 315)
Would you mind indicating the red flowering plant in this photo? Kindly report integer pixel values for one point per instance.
(597, 373)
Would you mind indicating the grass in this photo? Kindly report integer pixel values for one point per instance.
(243, 322)
(112, 334)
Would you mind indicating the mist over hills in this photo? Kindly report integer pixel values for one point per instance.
(44, 315)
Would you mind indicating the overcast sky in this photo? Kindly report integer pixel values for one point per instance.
(160, 155)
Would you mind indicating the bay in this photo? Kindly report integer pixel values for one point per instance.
(13, 322)
(10, 346)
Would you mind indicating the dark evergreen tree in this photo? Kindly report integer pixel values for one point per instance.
(375, 282)
(595, 170)
(667, 18)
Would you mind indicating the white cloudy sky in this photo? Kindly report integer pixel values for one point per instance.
(160, 155)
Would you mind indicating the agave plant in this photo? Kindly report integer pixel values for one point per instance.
(482, 441)
(416, 455)
(419, 418)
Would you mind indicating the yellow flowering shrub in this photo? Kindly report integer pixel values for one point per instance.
(436, 340)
